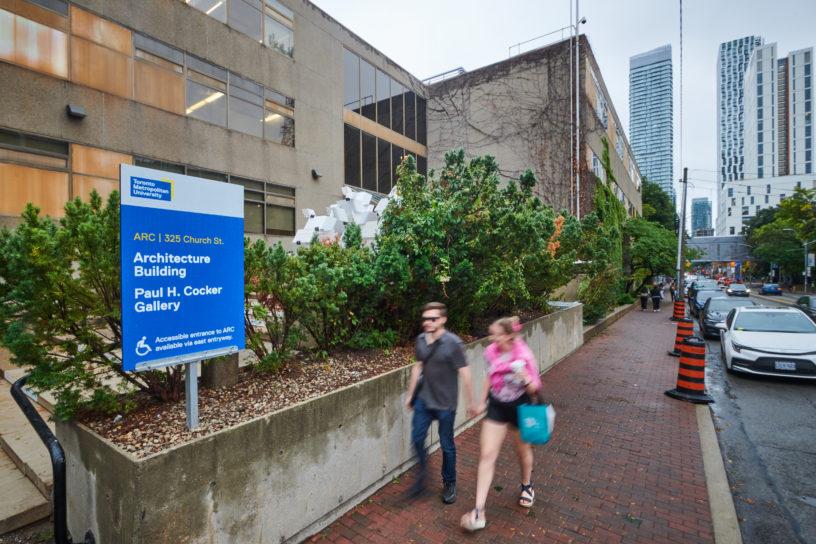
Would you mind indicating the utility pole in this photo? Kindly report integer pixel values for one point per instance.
(681, 236)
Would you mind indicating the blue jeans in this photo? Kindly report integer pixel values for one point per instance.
(423, 416)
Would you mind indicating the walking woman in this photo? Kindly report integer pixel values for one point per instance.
(512, 377)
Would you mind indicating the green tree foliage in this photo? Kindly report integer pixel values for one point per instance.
(657, 206)
(798, 212)
(60, 308)
(776, 245)
(601, 252)
(651, 251)
(469, 241)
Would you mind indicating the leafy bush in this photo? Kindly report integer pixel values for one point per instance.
(477, 246)
(60, 308)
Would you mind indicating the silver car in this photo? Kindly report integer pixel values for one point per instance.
(769, 341)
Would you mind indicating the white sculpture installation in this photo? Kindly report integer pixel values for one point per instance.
(355, 208)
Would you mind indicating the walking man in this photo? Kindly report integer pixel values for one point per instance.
(440, 362)
(657, 294)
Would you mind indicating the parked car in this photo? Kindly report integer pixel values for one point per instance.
(769, 341)
(738, 290)
(808, 305)
(770, 289)
(714, 311)
(701, 285)
(701, 297)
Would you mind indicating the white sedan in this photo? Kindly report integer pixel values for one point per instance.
(769, 341)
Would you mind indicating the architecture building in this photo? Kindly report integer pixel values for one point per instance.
(519, 111)
(651, 116)
(741, 200)
(274, 95)
(700, 214)
(732, 61)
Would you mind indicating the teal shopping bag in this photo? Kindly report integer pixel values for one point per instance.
(536, 422)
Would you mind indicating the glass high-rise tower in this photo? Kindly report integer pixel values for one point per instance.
(651, 116)
(732, 61)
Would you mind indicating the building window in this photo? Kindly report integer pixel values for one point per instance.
(33, 150)
(206, 91)
(731, 230)
(351, 146)
(246, 102)
(268, 22)
(279, 31)
(729, 212)
(730, 191)
(766, 199)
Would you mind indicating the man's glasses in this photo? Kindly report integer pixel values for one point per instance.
(433, 319)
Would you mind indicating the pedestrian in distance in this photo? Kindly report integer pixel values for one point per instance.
(644, 298)
(657, 294)
(673, 291)
(440, 363)
(512, 378)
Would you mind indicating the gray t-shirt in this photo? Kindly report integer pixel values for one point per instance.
(440, 390)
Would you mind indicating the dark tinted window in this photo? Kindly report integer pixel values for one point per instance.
(368, 91)
(369, 162)
(351, 81)
(422, 165)
(396, 108)
(383, 99)
(396, 158)
(410, 114)
(384, 166)
(351, 145)
(421, 126)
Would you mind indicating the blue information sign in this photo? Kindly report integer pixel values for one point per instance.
(182, 268)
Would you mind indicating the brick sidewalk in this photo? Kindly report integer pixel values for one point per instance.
(624, 463)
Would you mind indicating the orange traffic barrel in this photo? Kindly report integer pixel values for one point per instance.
(691, 374)
(685, 329)
(679, 309)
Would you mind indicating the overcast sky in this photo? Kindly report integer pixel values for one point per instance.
(427, 37)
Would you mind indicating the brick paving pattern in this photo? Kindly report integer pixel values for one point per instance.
(624, 463)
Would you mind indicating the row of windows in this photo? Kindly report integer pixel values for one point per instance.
(377, 96)
(266, 21)
(159, 75)
(216, 95)
(371, 163)
(268, 208)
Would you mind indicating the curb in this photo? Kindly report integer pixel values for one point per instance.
(723, 513)
(591, 331)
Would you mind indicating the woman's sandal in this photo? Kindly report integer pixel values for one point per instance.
(527, 500)
(471, 521)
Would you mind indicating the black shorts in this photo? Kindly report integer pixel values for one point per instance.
(505, 412)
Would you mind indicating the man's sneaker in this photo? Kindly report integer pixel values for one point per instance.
(449, 494)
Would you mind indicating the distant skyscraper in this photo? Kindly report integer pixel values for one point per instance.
(778, 106)
(651, 116)
(700, 214)
(731, 64)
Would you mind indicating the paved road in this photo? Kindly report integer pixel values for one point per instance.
(766, 428)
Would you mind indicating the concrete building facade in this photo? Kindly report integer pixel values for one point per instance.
(519, 111)
(274, 95)
(651, 116)
(778, 108)
(741, 200)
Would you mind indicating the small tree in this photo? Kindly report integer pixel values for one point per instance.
(60, 308)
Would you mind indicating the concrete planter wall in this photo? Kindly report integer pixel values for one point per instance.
(278, 478)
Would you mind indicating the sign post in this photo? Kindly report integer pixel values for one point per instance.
(182, 272)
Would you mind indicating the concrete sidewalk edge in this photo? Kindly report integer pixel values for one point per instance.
(723, 513)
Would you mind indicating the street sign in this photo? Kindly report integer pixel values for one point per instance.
(182, 268)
